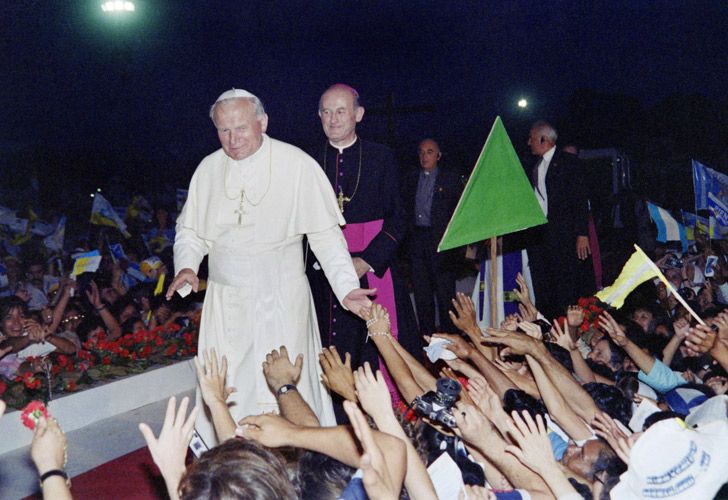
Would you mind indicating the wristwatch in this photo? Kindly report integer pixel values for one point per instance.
(285, 388)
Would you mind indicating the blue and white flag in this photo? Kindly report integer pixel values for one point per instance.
(117, 252)
(103, 214)
(718, 210)
(668, 229)
(54, 241)
(706, 180)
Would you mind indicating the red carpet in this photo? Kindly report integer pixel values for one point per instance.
(130, 477)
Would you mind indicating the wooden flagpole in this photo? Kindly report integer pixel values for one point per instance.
(494, 281)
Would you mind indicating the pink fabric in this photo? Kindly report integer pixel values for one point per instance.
(595, 251)
(358, 236)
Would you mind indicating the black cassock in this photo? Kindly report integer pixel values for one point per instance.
(377, 196)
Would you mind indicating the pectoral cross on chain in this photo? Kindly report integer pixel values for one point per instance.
(241, 209)
(342, 199)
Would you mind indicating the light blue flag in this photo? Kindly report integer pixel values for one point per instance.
(668, 229)
(706, 180)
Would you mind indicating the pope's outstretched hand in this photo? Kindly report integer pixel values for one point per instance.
(357, 301)
(186, 276)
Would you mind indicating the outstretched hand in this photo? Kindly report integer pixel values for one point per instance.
(170, 448)
(464, 316)
(610, 325)
(186, 276)
(211, 377)
(337, 376)
(279, 370)
(358, 301)
(378, 480)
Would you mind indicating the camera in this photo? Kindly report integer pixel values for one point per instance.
(437, 406)
(673, 261)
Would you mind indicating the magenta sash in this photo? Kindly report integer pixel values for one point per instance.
(358, 236)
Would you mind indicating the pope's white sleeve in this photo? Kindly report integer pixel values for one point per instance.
(189, 249)
(332, 253)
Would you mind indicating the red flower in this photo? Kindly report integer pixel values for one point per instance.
(71, 385)
(30, 381)
(188, 338)
(158, 341)
(31, 414)
(133, 356)
(62, 360)
(106, 360)
(3, 387)
(171, 350)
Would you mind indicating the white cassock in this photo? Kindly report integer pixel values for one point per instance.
(258, 297)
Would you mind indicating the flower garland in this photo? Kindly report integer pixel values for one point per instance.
(100, 359)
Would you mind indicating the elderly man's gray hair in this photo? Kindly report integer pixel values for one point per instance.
(544, 128)
(239, 94)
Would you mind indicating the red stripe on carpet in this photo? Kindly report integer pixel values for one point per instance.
(130, 477)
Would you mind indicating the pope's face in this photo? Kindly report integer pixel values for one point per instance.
(239, 129)
(339, 116)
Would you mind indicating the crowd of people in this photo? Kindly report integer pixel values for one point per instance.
(566, 399)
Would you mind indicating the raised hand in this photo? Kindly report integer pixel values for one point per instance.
(211, 377)
(681, 327)
(337, 376)
(562, 338)
(610, 325)
(487, 401)
(378, 482)
(531, 329)
(472, 424)
(510, 323)
(527, 312)
(519, 344)
(93, 295)
(464, 316)
(279, 370)
(700, 339)
(458, 345)
(378, 321)
(574, 316)
(372, 392)
(522, 290)
(605, 427)
(170, 448)
(534, 448)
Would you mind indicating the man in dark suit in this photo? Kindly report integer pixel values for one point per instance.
(555, 249)
(431, 194)
(365, 178)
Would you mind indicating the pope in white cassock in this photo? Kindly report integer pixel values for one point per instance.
(248, 207)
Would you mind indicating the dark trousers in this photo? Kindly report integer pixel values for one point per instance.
(431, 277)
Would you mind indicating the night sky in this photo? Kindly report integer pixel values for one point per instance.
(77, 79)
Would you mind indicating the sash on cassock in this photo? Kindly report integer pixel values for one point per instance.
(358, 236)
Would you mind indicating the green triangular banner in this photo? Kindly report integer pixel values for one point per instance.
(498, 198)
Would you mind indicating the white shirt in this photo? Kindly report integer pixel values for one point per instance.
(543, 168)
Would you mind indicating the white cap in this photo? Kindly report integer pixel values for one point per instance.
(670, 460)
(234, 94)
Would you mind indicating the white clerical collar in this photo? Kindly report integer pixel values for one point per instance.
(548, 155)
(342, 148)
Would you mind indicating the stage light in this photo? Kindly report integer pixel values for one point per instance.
(118, 6)
(522, 103)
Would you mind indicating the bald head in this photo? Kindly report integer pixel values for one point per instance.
(429, 154)
(340, 111)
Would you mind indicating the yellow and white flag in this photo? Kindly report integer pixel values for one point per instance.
(638, 269)
(103, 214)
